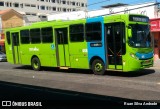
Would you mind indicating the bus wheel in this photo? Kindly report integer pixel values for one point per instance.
(98, 67)
(36, 65)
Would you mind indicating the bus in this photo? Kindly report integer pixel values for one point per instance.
(115, 42)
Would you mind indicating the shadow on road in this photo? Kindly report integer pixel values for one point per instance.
(62, 99)
(84, 71)
(131, 74)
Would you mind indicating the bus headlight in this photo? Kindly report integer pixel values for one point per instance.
(134, 56)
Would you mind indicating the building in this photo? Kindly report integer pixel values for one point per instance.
(118, 8)
(155, 29)
(41, 8)
(8, 18)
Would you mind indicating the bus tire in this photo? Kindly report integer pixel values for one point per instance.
(98, 67)
(36, 65)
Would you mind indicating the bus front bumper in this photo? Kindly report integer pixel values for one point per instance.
(134, 65)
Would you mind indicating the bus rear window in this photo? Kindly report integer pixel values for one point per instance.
(24, 36)
(8, 38)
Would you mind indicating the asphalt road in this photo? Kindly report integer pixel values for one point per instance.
(79, 88)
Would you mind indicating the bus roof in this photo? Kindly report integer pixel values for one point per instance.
(66, 22)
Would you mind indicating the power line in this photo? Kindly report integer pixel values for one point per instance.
(137, 1)
(98, 2)
(130, 9)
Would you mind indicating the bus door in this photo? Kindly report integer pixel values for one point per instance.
(115, 42)
(62, 47)
(15, 47)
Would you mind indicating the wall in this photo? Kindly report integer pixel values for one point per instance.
(10, 20)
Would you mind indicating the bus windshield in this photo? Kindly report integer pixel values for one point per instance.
(140, 36)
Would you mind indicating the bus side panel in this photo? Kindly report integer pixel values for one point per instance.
(26, 54)
(97, 48)
(78, 55)
(45, 53)
(9, 53)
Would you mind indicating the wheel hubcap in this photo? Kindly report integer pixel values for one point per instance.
(35, 64)
(98, 67)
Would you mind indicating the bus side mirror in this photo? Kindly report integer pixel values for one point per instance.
(130, 33)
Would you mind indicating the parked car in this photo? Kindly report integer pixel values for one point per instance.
(3, 57)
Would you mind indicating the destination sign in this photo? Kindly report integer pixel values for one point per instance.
(135, 18)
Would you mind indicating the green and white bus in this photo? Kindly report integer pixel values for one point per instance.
(115, 42)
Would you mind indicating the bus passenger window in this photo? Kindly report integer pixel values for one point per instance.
(24, 34)
(8, 38)
(93, 32)
(76, 33)
(35, 35)
(47, 35)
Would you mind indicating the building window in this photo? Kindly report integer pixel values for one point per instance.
(73, 3)
(27, 5)
(63, 2)
(82, 4)
(32, 5)
(58, 1)
(28, 14)
(68, 3)
(42, 7)
(76, 33)
(47, 35)
(7, 4)
(16, 5)
(54, 8)
(21, 5)
(93, 31)
(77, 4)
(1, 3)
(34, 14)
(35, 35)
(53, 1)
(24, 36)
(64, 9)
(41, 16)
(10, 4)
(59, 9)
(42, 0)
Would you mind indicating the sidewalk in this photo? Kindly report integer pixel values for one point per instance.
(156, 64)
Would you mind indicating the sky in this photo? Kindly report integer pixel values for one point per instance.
(96, 4)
